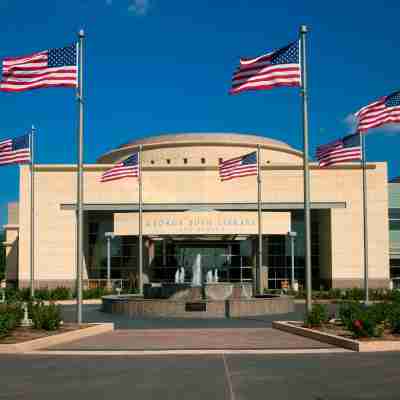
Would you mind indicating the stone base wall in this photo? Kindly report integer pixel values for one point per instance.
(355, 283)
(161, 308)
(48, 283)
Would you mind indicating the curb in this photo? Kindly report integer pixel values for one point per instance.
(37, 344)
(350, 344)
(181, 352)
(73, 302)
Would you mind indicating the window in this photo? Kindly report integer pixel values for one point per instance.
(168, 161)
(394, 219)
(394, 225)
(220, 160)
(152, 161)
(124, 250)
(185, 160)
(203, 160)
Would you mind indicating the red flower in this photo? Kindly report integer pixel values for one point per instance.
(357, 324)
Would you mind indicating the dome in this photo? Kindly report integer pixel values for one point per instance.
(197, 139)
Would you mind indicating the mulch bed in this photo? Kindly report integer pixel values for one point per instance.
(23, 334)
(339, 330)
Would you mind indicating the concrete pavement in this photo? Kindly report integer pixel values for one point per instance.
(349, 376)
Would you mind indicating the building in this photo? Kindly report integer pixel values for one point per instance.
(190, 216)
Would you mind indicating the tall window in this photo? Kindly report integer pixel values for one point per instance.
(123, 250)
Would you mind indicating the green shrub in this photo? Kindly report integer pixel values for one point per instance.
(394, 296)
(317, 316)
(380, 312)
(61, 293)
(365, 326)
(364, 321)
(10, 316)
(95, 293)
(42, 294)
(394, 319)
(47, 317)
(354, 294)
(348, 312)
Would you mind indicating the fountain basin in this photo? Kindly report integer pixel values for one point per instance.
(139, 307)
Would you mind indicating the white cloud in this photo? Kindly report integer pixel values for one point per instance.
(389, 129)
(351, 122)
(139, 7)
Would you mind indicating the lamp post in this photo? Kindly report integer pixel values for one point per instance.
(292, 236)
(109, 236)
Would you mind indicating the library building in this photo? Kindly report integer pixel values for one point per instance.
(192, 221)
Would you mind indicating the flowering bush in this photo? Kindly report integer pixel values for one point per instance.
(363, 321)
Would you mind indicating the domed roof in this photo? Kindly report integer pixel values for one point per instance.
(181, 139)
(206, 137)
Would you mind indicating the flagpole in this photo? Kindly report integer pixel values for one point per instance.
(365, 217)
(258, 270)
(32, 241)
(306, 170)
(79, 257)
(140, 223)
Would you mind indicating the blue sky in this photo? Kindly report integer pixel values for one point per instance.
(158, 66)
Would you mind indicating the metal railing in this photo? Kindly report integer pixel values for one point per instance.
(102, 283)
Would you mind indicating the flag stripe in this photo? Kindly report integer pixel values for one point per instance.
(129, 168)
(238, 167)
(14, 151)
(383, 111)
(339, 151)
(278, 68)
(49, 68)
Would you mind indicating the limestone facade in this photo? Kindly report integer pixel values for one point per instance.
(183, 170)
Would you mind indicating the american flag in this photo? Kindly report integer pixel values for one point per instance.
(15, 151)
(48, 68)
(383, 111)
(278, 68)
(239, 166)
(340, 151)
(124, 169)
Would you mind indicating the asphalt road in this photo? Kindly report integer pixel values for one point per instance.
(347, 376)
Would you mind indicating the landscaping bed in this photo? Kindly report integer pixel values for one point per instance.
(339, 329)
(356, 326)
(23, 334)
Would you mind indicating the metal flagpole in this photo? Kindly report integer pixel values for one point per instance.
(32, 246)
(306, 170)
(365, 217)
(79, 257)
(140, 223)
(258, 270)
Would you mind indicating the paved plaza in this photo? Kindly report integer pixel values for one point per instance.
(322, 375)
(194, 339)
(188, 334)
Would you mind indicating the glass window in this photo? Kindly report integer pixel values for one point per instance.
(394, 225)
(394, 213)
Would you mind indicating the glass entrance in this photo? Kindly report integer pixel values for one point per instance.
(203, 263)
(227, 261)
